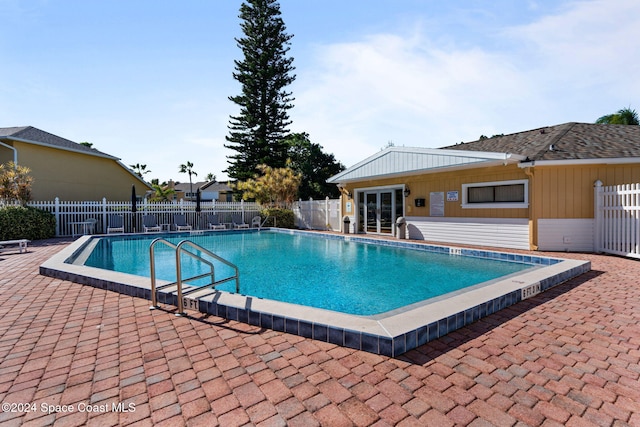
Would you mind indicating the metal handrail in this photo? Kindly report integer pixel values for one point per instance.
(179, 280)
(214, 256)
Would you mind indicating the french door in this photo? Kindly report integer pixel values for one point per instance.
(379, 210)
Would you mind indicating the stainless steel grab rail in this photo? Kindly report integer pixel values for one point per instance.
(179, 280)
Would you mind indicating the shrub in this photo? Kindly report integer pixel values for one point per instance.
(18, 222)
(15, 183)
(281, 217)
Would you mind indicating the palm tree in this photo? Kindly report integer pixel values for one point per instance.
(188, 168)
(626, 116)
(162, 193)
(139, 169)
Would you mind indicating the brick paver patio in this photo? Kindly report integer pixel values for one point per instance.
(75, 355)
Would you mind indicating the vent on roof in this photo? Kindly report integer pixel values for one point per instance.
(552, 147)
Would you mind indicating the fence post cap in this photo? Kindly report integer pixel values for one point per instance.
(598, 183)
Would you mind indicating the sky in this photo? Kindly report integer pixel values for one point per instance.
(148, 81)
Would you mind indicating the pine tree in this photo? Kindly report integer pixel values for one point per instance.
(257, 133)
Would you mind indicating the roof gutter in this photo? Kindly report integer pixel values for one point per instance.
(15, 152)
(576, 162)
(57, 147)
(134, 174)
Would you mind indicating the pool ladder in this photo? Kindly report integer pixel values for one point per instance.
(180, 249)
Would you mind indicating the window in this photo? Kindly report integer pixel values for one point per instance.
(501, 194)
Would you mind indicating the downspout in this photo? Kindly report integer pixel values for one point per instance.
(15, 153)
(533, 227)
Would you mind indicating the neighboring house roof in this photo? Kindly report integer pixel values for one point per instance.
(560, 143)
(202, 185)
(186, 187)
(568, 141)
(32, 135)
(215, 186)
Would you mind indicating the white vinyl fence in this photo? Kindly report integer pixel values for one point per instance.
(617, 213)
(318, 214)
(71, 216)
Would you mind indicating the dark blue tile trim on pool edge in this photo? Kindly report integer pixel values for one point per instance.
(384, 345)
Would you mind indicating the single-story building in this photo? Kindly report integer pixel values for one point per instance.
(67, 170)
(528, 190)
(209, 191)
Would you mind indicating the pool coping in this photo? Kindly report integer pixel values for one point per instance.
(389, 335)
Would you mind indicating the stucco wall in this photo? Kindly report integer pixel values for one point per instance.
(75, 176)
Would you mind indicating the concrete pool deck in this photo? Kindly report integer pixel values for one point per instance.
(568, 356)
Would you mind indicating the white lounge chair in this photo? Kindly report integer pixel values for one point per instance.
(180, 222)
(256, 221)
(214, 223)
(238, 222)
(116, 224)
(149, 224)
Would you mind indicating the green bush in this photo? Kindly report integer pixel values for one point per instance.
(17, 222)
(282, 218)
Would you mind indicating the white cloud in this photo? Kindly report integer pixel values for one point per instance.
(572, 66)
(390, 88)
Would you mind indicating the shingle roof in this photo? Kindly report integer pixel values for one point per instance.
(568, 141)
(32, 134)
(202, 185)
(216, 186)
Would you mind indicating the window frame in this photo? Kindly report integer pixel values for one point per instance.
(495, 205)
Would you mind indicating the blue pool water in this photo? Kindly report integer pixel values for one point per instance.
(345, 276)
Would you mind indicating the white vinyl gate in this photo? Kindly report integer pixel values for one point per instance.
(617, 212)
(317, 214)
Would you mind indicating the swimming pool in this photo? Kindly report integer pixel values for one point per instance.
(388, 331)
(346, 276)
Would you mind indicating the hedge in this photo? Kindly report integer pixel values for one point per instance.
(17, 222)
(282, 218)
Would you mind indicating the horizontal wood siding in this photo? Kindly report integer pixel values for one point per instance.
(572, 235)
(498, 232)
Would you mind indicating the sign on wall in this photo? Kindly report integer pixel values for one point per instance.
(452, 196)
(436, 203)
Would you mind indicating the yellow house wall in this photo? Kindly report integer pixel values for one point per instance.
(422, 185)
(75, 176)
(567, 191)
(6, 155)
(555, 192)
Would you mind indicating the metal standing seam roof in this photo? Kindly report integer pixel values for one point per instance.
(405, 160)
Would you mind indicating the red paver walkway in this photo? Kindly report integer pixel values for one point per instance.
(75, 355)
